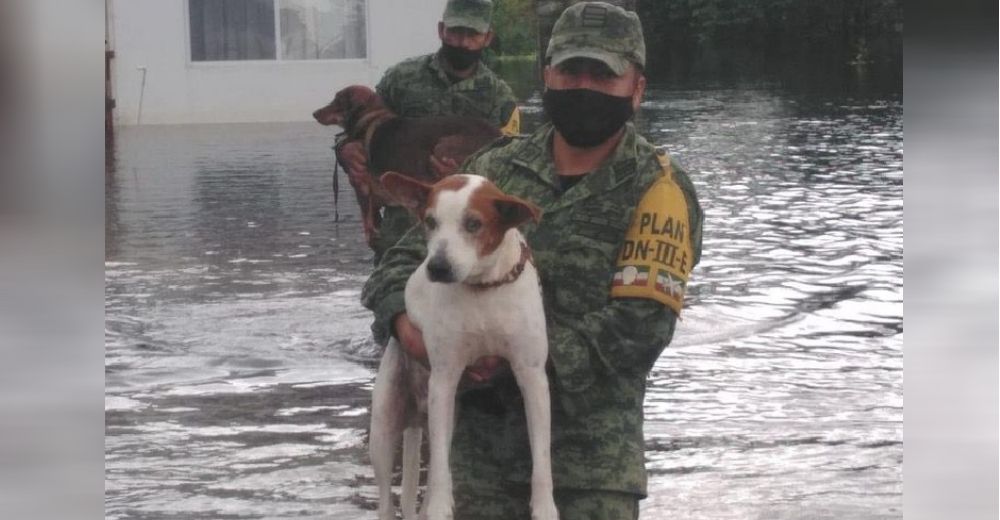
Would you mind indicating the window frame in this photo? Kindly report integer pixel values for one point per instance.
(278, 60)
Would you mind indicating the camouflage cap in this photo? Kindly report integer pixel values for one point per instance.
(474, 14)
(599, 31)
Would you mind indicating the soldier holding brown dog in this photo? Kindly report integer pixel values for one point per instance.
(452, 81)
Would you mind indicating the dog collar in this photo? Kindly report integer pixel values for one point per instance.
(353, 118)
(511, 276)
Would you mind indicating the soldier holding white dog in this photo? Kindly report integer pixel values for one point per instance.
(620, 233)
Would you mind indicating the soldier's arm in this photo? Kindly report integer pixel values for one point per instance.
(383, 292)
(386, 89)
(626, 336)
(506, 114)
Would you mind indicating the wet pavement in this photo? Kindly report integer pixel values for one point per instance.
(239, 362)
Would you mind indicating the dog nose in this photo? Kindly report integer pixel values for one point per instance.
(439, 270)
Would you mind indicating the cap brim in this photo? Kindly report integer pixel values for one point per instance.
(616, 63)
(477, 25)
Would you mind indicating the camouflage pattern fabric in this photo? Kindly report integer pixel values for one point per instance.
(418, 87)
(548, 11)
(474, 14)
(599, 31)
(396, 221)
(601, 349)
(511, 502)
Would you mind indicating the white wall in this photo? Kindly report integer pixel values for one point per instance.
(154, 34)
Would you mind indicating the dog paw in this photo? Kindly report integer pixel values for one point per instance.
(443, 166)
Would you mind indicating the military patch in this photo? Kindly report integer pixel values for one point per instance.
(631, 275)
(658, 242)
(669, 285)
(594, 16)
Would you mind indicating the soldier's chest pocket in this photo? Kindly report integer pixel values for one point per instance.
(422, 104)
(585, 260)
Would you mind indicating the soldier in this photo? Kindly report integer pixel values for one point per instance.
(451, 81)
(620, 233)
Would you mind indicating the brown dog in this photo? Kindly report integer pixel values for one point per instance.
(400, 144)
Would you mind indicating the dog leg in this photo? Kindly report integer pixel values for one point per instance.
(441, 426)
(535, 389)
(411, 471)
(352, 154)
(388, 415)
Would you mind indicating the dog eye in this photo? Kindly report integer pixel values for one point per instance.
(472, 225)
(430, 223)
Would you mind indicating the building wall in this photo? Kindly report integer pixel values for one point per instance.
(154, 34)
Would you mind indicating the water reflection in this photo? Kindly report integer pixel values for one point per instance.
(239, 363)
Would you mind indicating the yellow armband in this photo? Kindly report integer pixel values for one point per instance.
(513, 126)
(655, 260)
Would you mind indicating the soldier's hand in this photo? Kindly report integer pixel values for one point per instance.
(411, 338)
(443, 166)
(352, 155)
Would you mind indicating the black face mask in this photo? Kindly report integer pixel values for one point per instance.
(584, 117)
(459, 58)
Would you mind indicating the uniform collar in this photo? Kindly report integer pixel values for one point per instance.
(536, 155)
(435, 66)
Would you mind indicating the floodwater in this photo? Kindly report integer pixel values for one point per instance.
(239, 362)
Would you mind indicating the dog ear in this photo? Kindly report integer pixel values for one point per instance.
(406, 191)
(514, 211)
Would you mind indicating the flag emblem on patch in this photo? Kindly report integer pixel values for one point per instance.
(667, 284)
(637, 275)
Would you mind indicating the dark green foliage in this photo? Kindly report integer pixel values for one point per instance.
(823, 41)
(515, 26)
(721, 38)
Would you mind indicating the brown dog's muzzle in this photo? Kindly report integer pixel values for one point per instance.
(327, 116)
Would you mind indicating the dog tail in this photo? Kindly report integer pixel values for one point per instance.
(411, 471)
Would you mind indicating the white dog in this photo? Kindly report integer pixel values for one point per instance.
(476, 294)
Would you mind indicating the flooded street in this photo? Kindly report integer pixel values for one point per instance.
(239, 362)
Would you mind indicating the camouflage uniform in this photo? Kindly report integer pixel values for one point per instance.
(419, 87)
(511, 503)
(605, 330)
(601, 348)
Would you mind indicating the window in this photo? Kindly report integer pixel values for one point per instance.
(227, 30)
(322, 29)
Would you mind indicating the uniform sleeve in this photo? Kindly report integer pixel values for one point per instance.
(624, 339)
(626, 336)
(505, 113)
(383, 292)
(513, 125)
(696, 214)
(385, 89)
